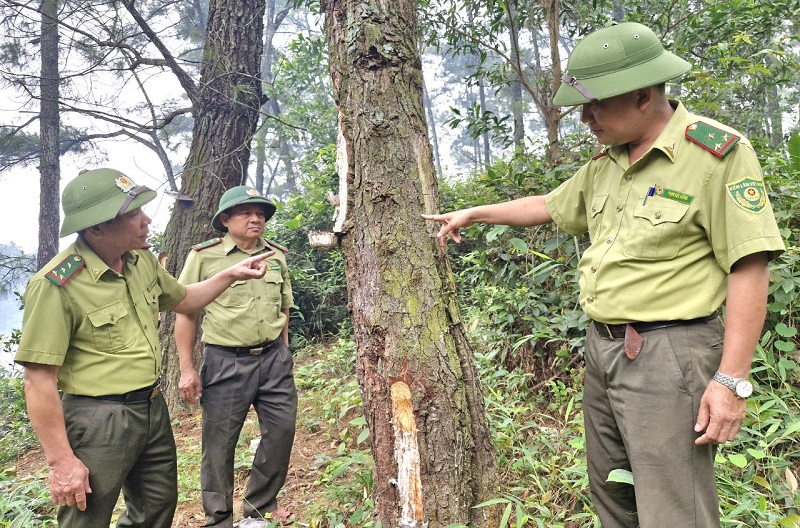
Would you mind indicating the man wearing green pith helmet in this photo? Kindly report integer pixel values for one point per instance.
(246, 362)
(90, 329)
(679, 223)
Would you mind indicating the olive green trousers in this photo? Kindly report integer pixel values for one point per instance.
(640, 416)
(128, 447)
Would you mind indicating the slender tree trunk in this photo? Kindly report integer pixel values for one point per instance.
(487, 148)
(426, 99)
(228, 99)
(552, 114)
(434, 459)
(517, 105)
(49, 124)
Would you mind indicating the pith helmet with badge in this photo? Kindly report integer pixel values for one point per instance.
(243, 194)
(98, 195)
(620, 58)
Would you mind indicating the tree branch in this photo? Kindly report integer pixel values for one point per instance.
(183, 77)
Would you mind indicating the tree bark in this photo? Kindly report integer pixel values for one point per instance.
(401, 291)
(49, 124)
(225, 117)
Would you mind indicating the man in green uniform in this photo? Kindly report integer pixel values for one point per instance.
(679, 222)
(90, 328)
(246, 362)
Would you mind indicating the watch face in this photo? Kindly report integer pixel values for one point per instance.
(743, 388)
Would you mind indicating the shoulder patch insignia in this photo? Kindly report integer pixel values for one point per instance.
(207, 244)
(276, 246)
(66, 270)
(749, 194)
(715, 140)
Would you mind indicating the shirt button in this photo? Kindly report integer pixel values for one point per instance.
(260, 320)
(590, 299)
(658, 215)
(594, 269)
(609, 240)
(628, 177)
(619, 208)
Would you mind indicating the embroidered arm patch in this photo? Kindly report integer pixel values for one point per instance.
(749, 194)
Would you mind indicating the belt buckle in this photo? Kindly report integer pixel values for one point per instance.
(155, 392)
(256, 351)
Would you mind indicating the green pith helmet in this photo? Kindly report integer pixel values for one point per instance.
(615, 60)
(241, 195)
(98, 195)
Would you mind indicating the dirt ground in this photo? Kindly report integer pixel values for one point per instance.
(295, 496)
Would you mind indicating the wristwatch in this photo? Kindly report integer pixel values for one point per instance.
(741, 387)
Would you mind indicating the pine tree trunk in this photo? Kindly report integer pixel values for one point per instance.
(420, 389)
(49, 125)
(225, 118)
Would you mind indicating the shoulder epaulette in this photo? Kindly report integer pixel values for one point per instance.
(276, 246)
(63, 273)
(597, 155)
(715, 140)
(207, 244)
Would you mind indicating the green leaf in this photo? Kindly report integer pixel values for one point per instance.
(519, 244)
(785, 331)
(362, 436)
(360, 421)
(623, 476)
(738, 460)
(784, 346)
(794, 152)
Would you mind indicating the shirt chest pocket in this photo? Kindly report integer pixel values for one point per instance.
(237, 294)
(657, 229)
(112, 330)
(273, 285)
(151, 295)
(596, 215)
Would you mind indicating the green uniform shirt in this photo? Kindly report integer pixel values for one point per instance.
(249, 312)
(99, 327)
(668, 256)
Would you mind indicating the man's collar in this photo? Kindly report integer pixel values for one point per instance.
(229, 244)
(97, 266)
(669, 140)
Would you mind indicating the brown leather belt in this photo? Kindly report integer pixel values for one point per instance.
(134, 396)
(617, 331)
(255, 350)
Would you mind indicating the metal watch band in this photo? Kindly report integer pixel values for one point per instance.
(726, 380)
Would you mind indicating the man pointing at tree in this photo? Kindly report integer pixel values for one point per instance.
(679, 221)
(90, 329)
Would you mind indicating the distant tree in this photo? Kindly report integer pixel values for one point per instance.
(226, 112)
(49, 125)
(16, 267)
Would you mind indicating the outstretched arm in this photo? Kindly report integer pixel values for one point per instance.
(199, 294)
(522, 212)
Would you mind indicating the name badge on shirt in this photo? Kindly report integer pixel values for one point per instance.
(671, 194)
